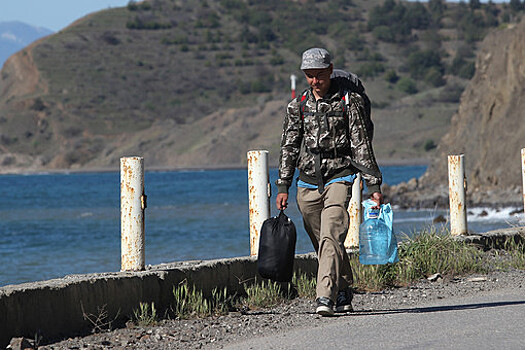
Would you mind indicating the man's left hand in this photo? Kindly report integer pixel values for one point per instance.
(378, 198)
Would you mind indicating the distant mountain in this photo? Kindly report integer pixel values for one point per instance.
(14, 36)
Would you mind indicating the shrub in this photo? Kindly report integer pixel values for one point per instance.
(260, 85)
(391, 76)
(419, 62)
(355, 42)
(462, 68)
(434, 77)
(406, 85)
(276, 60)
(393, 22)
(467, 70)
(132, 6)
(436, 8)
(384, 33)
(370, 69)
(110, 38)
(152, 24)
(429, 145)
(38, 105)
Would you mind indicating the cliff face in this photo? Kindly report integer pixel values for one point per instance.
(489, 127)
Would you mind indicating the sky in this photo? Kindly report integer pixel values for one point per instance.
(58, 14)
(52, 14)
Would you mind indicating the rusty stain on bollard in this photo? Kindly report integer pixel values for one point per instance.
(523, 175)
(132, 205)
(259, 195)
(457, 188)
(354, 211)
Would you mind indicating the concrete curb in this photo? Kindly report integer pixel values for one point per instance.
(56, 308)
(495, 239)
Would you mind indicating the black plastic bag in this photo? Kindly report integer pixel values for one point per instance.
(277, 248)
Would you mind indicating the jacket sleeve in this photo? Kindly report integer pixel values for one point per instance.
(362, 150)
(291, 140)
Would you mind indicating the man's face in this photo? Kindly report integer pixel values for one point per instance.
(319, 80)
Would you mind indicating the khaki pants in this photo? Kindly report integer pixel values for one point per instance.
(325, 218)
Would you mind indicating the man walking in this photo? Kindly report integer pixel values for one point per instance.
(327, 137)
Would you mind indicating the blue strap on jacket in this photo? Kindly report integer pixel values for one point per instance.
(348, 178)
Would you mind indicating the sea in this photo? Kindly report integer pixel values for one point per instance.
(53, 225)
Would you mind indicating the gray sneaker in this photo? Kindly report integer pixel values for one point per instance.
(325, 307)
(344, 301)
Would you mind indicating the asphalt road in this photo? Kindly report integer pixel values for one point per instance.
(494, 320)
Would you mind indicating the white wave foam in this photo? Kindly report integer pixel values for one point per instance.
(491, 215)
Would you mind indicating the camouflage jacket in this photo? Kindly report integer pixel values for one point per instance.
(334, 130)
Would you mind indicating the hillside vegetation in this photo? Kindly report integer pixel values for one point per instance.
(198, 83)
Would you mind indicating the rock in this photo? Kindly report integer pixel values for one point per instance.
(412, 184)
(20, 344)
(477, 279)
(483, 213)
(435, 277)
(516, 212)
(438, 219)
(401, 188)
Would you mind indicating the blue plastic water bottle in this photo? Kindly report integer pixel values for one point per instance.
(373, 239)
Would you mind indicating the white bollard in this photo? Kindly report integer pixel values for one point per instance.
(354, 210)
(132, 205)
(456, 187)
(259, 192)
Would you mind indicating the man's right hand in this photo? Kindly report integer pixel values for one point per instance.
(282, 201)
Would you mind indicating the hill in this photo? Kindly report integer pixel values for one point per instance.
(198, 83)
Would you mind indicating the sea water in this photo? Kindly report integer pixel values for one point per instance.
(52, 225)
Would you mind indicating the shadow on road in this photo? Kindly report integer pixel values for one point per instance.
(433, 308)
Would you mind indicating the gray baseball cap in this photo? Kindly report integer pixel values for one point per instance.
(315, 58)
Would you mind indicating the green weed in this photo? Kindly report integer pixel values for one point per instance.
(512, 256)
(145, 315)
(305, 285)
(266, 294)
(424, 254)
(190, 302)
(432, 252)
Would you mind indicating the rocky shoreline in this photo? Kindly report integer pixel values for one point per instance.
(413, 195)
(219, 332)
